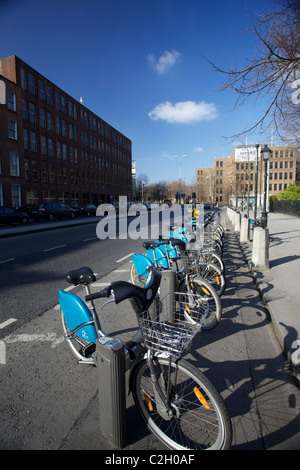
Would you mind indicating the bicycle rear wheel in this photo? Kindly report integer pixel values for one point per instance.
(198, 418)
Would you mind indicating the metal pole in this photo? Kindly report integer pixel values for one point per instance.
(256, 182)
(264, 215)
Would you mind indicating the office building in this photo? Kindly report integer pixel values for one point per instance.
(52, 148)
(231, 181)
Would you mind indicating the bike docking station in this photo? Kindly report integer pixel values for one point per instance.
(110, 357)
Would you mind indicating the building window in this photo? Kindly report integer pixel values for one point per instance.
(43, 145)
(51, 173)
(63, 104)
(42, 91)
(50, 147)
(12, 129)
(58, 150)
(49, 121)
(23, 79)
(43, 118)
(11, 100)
(32, 197)
(32, 115)
(58, 126)
(15, 195)
(44, 172)
(24, 109)
(48, 95)
(14, 164)
(31, 84)
(27, 169)
(26, 139)
(57, 101)
(65, 156)
(33, 142)
(34, 171)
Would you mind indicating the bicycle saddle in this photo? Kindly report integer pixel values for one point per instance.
(150, 244)
(83, 275)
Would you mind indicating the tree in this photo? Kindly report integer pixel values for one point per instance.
(292, 192)
(273, 73)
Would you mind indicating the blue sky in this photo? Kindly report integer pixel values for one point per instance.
(141, 66)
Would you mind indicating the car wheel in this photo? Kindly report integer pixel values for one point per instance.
(24, 220)
(51, 217)
(72, 215)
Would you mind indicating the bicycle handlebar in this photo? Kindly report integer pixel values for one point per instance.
(103, 293)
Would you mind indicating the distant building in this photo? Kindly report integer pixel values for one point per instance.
(52, 148)
(231, 179)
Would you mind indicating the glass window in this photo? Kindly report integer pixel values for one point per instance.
(24, 109)
(26, 139)
(48, 95)
(15, 195)
(23, 79)
(43, 118)
(42, 91)
(31, 84)
(12, 129)
(11, 100)
(33, 142)
(14, 164)
(32, 114)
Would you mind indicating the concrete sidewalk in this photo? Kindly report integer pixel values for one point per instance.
(279, 285)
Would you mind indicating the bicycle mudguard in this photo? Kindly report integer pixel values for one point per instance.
(76, 314)
(141, 262)
(160, 257)
(172, 251)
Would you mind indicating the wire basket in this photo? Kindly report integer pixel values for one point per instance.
(165, 327)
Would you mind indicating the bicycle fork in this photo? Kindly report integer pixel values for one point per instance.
(162, 388)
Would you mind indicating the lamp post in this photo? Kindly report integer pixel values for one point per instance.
(179, 156)
(265, 153)
(256, 182)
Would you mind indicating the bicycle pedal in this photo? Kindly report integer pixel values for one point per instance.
(88, 350)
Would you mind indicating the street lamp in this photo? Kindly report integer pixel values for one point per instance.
(256, 181)
(179, 156)
(265, 154)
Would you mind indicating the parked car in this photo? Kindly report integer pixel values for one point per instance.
(10, 216)
(206, 205)
(77, 210)
(88, 210)
(53, 210)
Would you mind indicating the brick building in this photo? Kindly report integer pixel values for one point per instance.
(52, 148)
(230, 179)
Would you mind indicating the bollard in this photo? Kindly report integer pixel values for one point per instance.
(244, 234)
(110, 356)
(260, 249)
(237, 225)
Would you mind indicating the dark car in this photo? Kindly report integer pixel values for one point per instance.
(10, 216)
(53, 210)
(88, 210)
(206, 205)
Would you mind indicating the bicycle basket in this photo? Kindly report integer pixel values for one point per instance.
(164, 326)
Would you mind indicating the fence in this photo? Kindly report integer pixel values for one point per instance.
(285, 206)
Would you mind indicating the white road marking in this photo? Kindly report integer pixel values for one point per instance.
(7, 322)
(55, 248)
(7, 260)
(122, 259)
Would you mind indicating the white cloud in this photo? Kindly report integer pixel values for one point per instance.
(184, 112)
(164, 62)
(198, 149)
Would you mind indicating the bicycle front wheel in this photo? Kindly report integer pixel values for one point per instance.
(198, 419)
(206, 308)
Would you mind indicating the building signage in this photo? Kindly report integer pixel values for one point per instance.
(247, 153)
